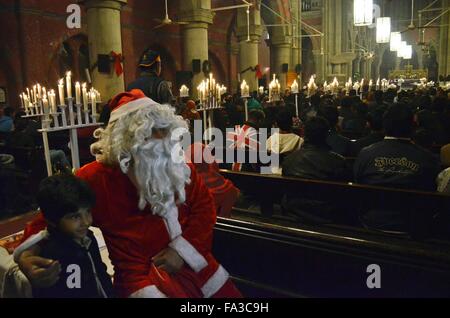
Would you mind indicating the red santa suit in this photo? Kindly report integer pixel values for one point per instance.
(134, 236)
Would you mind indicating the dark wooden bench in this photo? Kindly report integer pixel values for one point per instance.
(348, 197)
(267, 260)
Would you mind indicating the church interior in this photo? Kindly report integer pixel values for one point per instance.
(322, 128)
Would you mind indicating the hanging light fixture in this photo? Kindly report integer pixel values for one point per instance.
(401, 49)
(383, 30)
(407, 53)
(396, 39)
(363, 12)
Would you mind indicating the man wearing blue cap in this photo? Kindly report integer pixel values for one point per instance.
(150, 81)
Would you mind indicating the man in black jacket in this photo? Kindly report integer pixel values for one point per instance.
(314, 160)
(395, 162)
(150, 80)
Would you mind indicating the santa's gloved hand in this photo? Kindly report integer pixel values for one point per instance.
(168, 260)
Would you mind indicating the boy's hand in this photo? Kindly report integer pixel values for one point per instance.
(41, 272)
(168, 260)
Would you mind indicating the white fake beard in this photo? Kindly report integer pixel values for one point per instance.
(161, 181)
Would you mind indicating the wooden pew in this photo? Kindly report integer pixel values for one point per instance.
(348, 197)
(267, 260)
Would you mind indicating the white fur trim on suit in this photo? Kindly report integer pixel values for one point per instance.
(131, 107)
(148, 292)
(189, 254)
(32, 240)
(172, 224)
(215, 282)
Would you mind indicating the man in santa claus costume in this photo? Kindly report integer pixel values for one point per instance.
(155, 213)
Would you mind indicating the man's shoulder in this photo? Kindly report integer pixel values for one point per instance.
(373, 147)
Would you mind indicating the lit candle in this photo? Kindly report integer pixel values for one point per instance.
(312, 87)
(94, 105)
(69, 84)
(34, 93)
(85, 97)
(61, 91)
(210, 81)
(245, 90)
(26, 102)
(261, 90)
(294, 87)
(184, 91)
(45, 104)
(21, 101)
(77, 93)
(39, 92)
(52, 100)
(28, 93)
(44, 91)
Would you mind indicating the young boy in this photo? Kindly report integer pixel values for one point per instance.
(65, 202)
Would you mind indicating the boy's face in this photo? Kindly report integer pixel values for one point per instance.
(76, 224)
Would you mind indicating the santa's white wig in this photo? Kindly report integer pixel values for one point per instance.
(127, 141)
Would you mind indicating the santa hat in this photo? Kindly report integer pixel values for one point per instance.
(129, 102)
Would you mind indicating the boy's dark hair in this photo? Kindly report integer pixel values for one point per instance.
(316, 131)
(398, 121)
(63, 194)
(284, 120)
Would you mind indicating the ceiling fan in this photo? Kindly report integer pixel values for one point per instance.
(412, 26)
(167, 20)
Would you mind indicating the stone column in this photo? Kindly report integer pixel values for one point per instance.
(233, 51)
(195, 35)
(104, 36)
(444, 45)
(296, 57)
(280, 51)
(248, 45)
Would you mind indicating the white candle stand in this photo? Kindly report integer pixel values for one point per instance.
(208, 106)
(63, 115)
(72, 128)
(246, 97)
(296, 106)
(79, 118)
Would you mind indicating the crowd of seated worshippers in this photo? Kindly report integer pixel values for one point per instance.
(399, 139)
